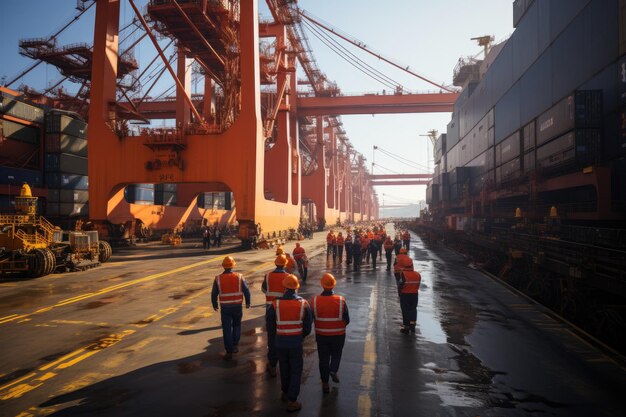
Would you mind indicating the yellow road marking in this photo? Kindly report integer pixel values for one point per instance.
(369, 360)
(17, 381)
(82, 322)
(22, 389)
(72, 300)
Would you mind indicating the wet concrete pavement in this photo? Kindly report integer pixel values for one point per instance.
(138, 337)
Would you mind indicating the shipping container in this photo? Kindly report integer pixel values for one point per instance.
(65, 163)
(17, 176)
(582, 109)
(14, 153)
(528, 136)
(508, 149)
(19, 132)
(440, 147)
(67, 209)
(61, 143)
(509, 171)
(62, 123)
(459, 175)
(529, 161)
(622, 27)
(576, 149)
(67, 181)
(56, 195)
(452, 131)
(21, 110)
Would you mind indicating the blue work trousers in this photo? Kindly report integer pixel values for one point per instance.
(291, 364)
(272, 356)
(329, 350)
(408, 305)
(231, 325)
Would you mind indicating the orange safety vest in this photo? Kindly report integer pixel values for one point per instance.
(370, 235)
(289, 316)
(298, 253)
(388, 245)
(328, 312)
(340, 240)
(412, 280)
(330, 237)
(275, 289)
(402, 261)
(229, 285)
(365, 242)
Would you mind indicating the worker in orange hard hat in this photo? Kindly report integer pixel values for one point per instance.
(330, 244)
(402, 261)
(397, 245)
(408, 287)
(273, 288)
(339, 242)
(230, 288)
(406, 239)
(299, 255)
(330, 314)
(289, 319)
(388, 246)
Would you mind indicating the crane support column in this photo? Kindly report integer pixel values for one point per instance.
(183, 71)
(314, 184)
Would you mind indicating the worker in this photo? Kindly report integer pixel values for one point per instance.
(408, 287)
(397, 245)
(299, 255)
(406, 239)
(402, 261)
(291, 263)
(365, 244)
(330, 315)
(330, 245)
(273, 288)
(356, 252)
(231, 289)
(339, 242)
(348, 245)
(378, 242)
(206, 238)
(388, 246)
(373, 252)
(289, 319)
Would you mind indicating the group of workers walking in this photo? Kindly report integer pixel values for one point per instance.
(290, 318)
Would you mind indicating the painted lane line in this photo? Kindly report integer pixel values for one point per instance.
(365, 405)
(72, 300)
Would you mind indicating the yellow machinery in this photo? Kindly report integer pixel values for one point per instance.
(173, 238)
(31, 245)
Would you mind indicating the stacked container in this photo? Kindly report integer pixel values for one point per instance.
(20, 157)
(568, 135)
(65, 163)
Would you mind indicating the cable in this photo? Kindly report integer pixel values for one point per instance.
(402, 160)
(364, 64)
(382, 167)
(343, 55)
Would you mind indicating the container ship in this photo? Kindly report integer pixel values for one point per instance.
(530, 180)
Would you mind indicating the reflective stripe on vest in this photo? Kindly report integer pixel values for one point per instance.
(275, 289)
(229, 286)
(289, 320)
(412, 280)
(328, 311)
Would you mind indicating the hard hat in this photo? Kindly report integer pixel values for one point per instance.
(228, 262)
(403, 250)
(281, 260)
(25, 191)
(340, 234)
(280, 250)
(297, 244)
(291, 282)
(328, 281)
(553, 212)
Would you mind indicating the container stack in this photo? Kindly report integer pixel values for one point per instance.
(65, 164)
(20, 157)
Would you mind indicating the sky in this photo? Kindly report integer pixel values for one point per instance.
(428, 36)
